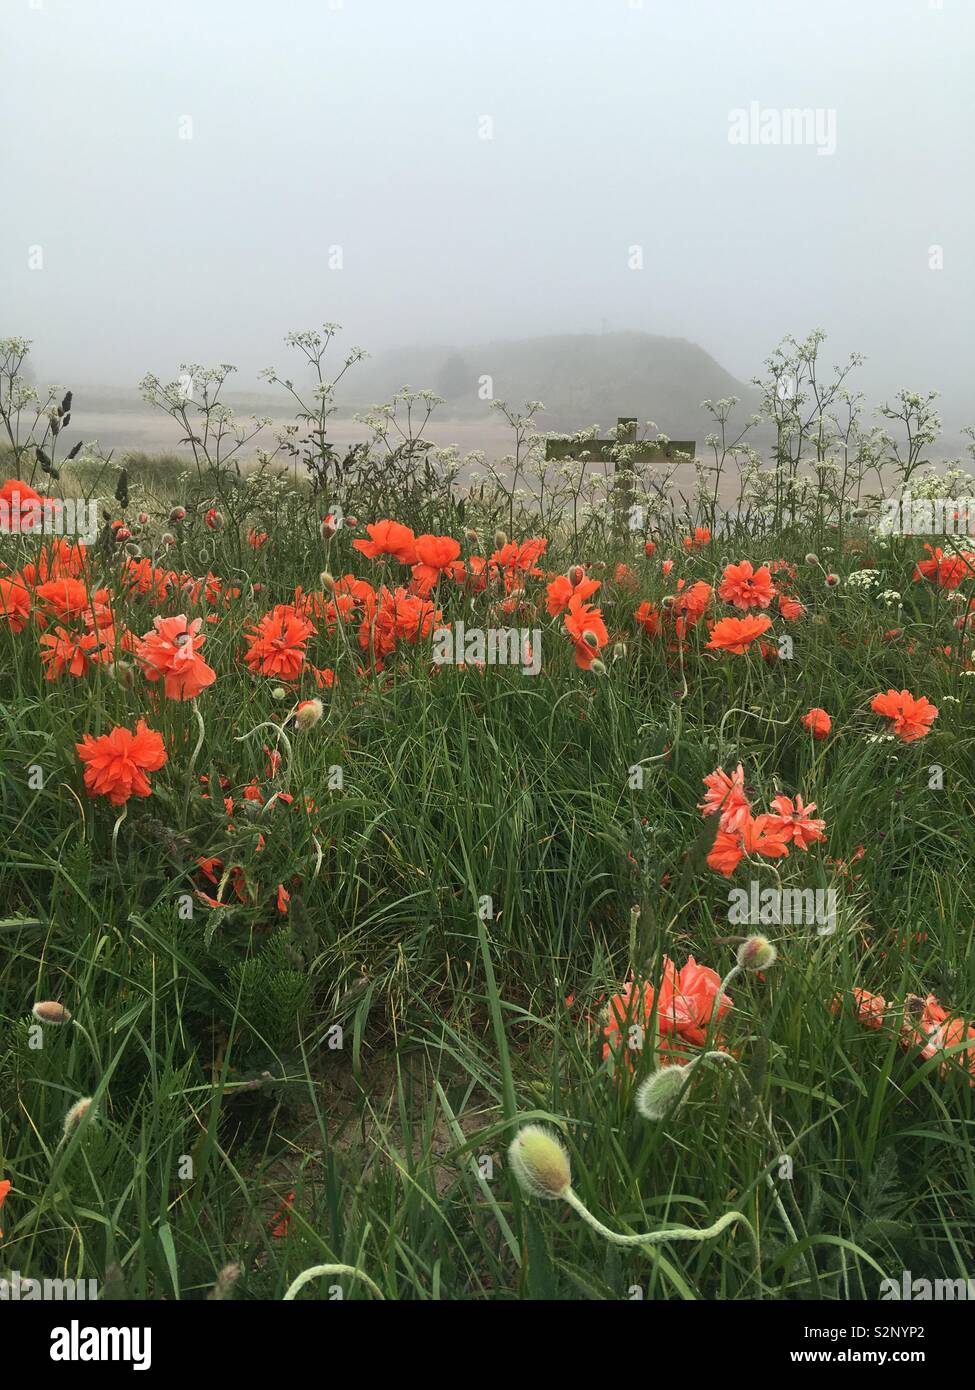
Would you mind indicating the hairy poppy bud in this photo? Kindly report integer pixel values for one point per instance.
(328, 528)
(575, 575)
(50, 1011)
(168, 538)
(278, 693)
(177, 515)
(500, 539)
(143, 518)
(597, 666)
(832, 580)
(470, 535)
(812, 559)
(540, 1163)
(213, 519)
(123, 672)
(308, 713)
(74, 1116)
(327, 581)
(662, 1092)
(590, 638)
(756, 953)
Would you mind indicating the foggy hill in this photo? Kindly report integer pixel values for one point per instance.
(583, 379)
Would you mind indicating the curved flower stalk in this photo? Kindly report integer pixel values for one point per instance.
(314, 1271)
(541, 1166)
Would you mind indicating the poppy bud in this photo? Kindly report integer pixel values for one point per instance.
(598, 667)
(832, 580)
(133, 549)
(177, 515)
(662, 1092)
(756, 953)
(470, 535)
(278, 693)
(168, 539)
(328, 528)
(123, 672)
(308, 713)
(74, 1116)
(590, 638)
(540, 1163)
(50, 1011)
(575, 575)
(143, 518)
(352, 521)
(619, 651)
(812, 559)
(213, 519)
(122, 533)
(327, 581)
(500, 539)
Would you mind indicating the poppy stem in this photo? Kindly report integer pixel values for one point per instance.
(655, 1237)
(308, 1274)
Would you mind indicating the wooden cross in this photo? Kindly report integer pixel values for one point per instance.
(626, 427)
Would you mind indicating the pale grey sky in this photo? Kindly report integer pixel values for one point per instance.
(359, 125)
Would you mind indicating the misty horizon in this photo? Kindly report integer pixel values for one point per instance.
(220, 177)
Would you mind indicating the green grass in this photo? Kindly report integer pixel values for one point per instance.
(206, 1042)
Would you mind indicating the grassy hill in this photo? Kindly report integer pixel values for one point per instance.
(582, 379)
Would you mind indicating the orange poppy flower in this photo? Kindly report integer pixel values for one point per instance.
(388, 538)
(746, 587)
(911, 716)
(795, 823)
(561, 591)
(584, 624)
(116, 763)
(790, 608)
(15, 603)
(65, 597)
(74, 654)
(737, 634)
(692, 603)
(727, 795)
(818, 722)
(700, 538)
(948, 571)
(277, 645)
(648, 617)
(758, 835)
(171, 653)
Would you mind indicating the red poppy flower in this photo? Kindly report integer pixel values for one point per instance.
(911, 716)
(818, 722)
(116, 763)
(737, 634)
(746, 587)
(171, 653)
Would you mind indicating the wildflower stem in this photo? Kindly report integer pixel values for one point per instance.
(313, 1273)
(654, 1237)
